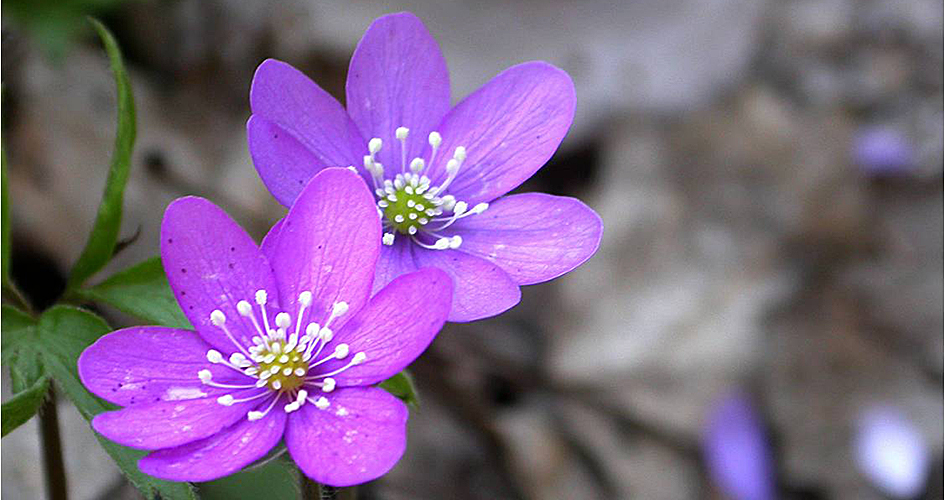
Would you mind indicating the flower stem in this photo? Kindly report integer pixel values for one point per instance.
(314, 491)
(54, 468)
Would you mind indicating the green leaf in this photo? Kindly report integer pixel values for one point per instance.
(141, 291)
(401, 385)
(5, 226)
(101, 244)
(23, 405)
(64, 333)
(18, 348)
(274, 480)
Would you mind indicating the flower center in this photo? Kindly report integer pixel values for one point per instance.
(283, 359)
(410, 205)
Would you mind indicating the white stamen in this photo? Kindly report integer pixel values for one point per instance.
(214, 356)
(417, 165)
(305, 298)
(244, 308)
(217, 317)
(388, 239)
(205, 376)
(456, 241)
(283, 320)
(341, 350)
(374, 145)
(322, 403)
(460, 153)
(261, 297)
(328, 385)
(401, 133)
(358, 358)
(435, 139)
(225, 400)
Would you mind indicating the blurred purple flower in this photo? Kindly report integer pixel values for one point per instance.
(882, 151)
(736, 452)
(434, 169)
(211, 403)
(891, 452)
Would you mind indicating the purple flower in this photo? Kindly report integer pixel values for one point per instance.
(287, 344)
(891, 452)
(882, 151)
(438, 173)
(735, 450)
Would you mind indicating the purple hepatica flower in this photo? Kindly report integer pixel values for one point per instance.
(211, 402)
(882, 151)
(735, 450)
(891, 452)
(438, 173)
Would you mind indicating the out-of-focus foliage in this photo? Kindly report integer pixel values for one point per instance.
(55, 23)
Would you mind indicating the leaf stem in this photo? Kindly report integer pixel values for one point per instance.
(54, 468)
(19, 297)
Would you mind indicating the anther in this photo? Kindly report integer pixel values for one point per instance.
(214, 356)
(459, 153)
(339, 308)
(283, 320)
(205, 376)
(322, 403)
(435, 139)
(225, 400)
(401, 133)
(358, 358)
(244, 308)
(374, 145)
(328, 385)
(255, 415)
(305, 298)
(417, 165)
(261, 297)
(341, 350)
(217, 317)
(456, 241)
(388, 239)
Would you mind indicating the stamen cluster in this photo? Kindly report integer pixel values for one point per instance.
(409, 204)
(282, 363)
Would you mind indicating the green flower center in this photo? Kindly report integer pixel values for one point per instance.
(407, 211)
(286, 369)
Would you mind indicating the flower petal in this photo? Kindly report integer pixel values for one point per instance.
(534, 237)
(397, 77)
(395, 260)
(359, 437)
(481, 289)
(394, 328)
(268, 241)
(147, 364)
(211, 263)
(172, 423)
(219, 455)
(283, 98)
(328, 245)
(510, 127)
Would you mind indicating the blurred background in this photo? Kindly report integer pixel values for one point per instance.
(764, 318)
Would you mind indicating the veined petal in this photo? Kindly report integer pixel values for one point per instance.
(172, 423)
(395, 260)
(147, 364)
(534, 237)
(268, 241)
(395, 327)
(328, 245)
(312, 119)
(397, 77)
(357, 438)
(510, 127)
(211, 263)
(219, 455)
(481, 289)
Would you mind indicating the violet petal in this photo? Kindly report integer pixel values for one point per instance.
(395, 327)
(211, 263)
(397, 77)
(147, 364)
(534, 237)
(357, 438)
(510, 127)
(284, 98)
(219, 455)
(328, 245)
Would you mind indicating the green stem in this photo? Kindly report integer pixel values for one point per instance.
(54, 468)
(314, 491)
(19, 298)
